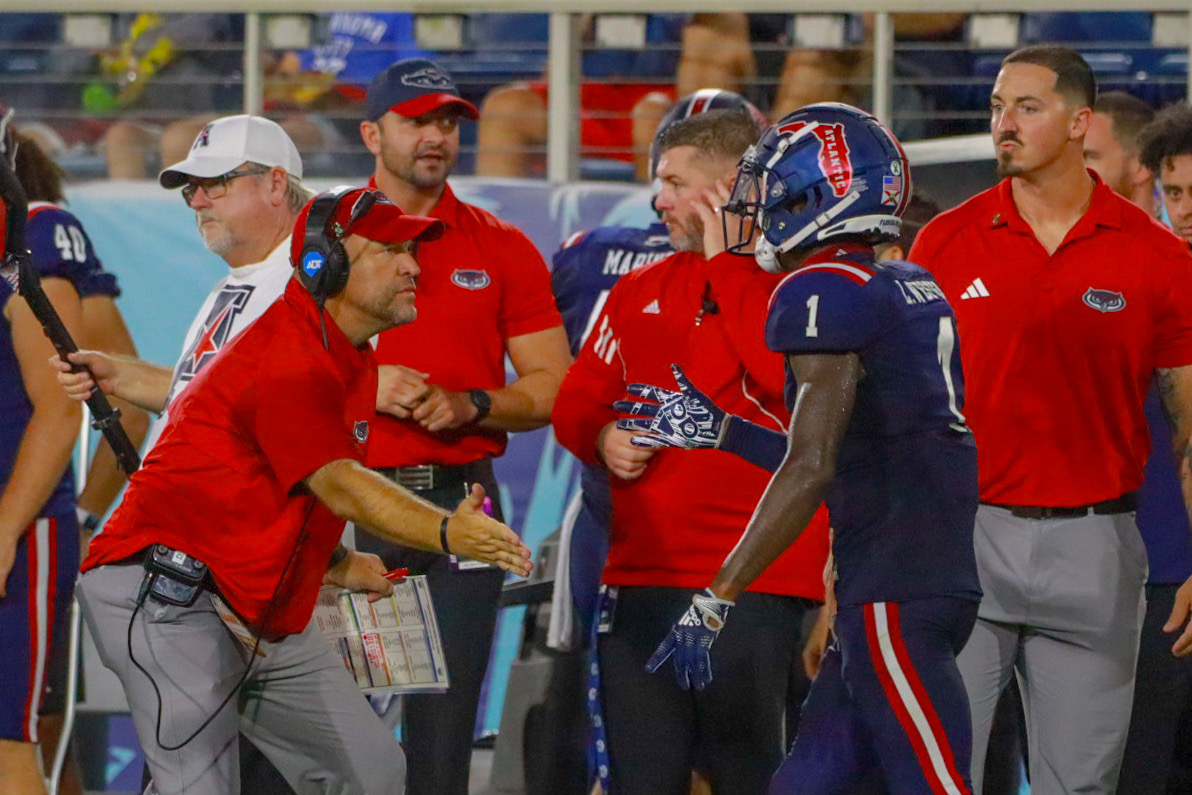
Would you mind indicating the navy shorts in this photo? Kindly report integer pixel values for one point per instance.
(889, 701)
(39, 588)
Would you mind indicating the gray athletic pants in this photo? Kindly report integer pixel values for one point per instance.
(1063, 609)
(301, 707)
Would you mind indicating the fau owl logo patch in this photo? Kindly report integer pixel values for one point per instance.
(431, 78)
(1104, 300)
(834, 161)
(360, 431)
(470, 280)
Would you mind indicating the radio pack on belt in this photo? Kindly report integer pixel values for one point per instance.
(174, 577)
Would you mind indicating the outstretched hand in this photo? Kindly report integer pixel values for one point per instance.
(471, 533)
(688, 418)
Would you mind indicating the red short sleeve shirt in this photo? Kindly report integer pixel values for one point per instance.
(1058, 349)
(482, 283)
(272, 408)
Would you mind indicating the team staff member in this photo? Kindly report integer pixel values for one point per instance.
(233, 473)
(58, 242)
(1059, 341)
(39, 545)
(484, 292)
(675, 515)
(582, 273)
(243, 179)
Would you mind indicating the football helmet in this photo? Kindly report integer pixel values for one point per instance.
(702, 101)
(827, 173)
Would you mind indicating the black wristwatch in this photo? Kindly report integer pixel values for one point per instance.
(482, 401)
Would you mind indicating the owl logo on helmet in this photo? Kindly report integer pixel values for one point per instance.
(827, 173)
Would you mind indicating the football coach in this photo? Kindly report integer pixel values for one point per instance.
(206, 577)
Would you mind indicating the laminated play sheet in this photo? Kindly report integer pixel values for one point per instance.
(391, 645)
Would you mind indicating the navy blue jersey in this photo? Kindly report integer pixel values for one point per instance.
(15, 408)
(61, 247)
(589, 264)
(905, 493)
(1162, 518)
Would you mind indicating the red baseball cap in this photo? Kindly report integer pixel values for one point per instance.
(364, 212)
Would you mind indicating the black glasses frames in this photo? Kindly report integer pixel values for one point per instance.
(217, 187)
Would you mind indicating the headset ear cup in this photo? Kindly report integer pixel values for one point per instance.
(335, 275)
(312, 270)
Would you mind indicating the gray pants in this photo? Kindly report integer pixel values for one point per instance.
(301, 707)
(1063, 609)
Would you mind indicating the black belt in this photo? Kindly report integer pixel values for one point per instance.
(425, 477)
(1126, 503)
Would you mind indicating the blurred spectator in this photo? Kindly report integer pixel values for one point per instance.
(1111, 147)
(317, 95)
(166, 67)
(1167, 152)
(623, 96)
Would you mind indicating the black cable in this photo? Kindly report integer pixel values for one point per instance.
(269, 607)
(323, 324)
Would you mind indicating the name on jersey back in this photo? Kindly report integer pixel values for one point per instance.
(922, 291)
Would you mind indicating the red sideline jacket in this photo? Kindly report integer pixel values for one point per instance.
(675, 524)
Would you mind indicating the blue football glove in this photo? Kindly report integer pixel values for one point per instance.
(687, 418)
(690, 639)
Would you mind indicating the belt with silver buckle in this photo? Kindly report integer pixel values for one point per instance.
(424, 477)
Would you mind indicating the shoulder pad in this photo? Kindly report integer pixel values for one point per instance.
(823, 307)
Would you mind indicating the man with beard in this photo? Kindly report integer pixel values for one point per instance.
(1068, 299)
(675, 516)
(443, 404)
(243, 179)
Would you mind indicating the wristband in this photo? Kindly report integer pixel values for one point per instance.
(443, 534)
(337, 556)
(757, 444)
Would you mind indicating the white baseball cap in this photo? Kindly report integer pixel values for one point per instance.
(225, 144)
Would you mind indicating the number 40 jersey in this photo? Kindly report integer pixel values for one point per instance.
(905, 493)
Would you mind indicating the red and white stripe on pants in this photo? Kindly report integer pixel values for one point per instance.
(910, 701)
(41, 553)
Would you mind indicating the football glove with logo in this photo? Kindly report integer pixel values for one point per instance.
(691, 420)
(690, 639)
(687, 418)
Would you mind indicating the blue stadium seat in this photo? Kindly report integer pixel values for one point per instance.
(1110, 27)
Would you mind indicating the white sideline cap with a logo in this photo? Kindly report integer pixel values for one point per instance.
(227, 143)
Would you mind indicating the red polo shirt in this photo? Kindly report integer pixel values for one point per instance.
(482, 282)
(675, 525)
(1058, 349)
(271, 409)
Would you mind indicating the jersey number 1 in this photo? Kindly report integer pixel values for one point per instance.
(812, 310)
(945, 345)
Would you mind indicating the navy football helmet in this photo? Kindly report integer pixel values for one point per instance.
(827, 173)
(702, 101)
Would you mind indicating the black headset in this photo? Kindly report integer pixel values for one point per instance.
(323, 264)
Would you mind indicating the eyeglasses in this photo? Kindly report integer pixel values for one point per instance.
(215, 187)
